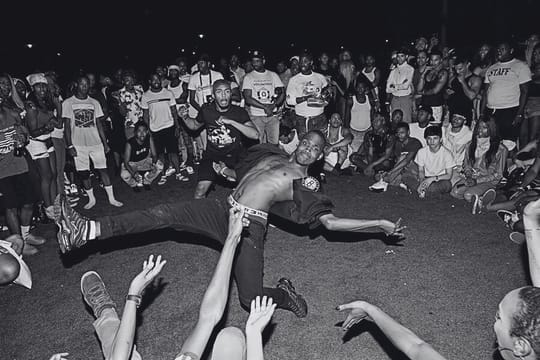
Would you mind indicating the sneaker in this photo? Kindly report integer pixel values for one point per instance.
(34, 240)
(73, 228)
(477, 204)
(181, 177)
(74, 190)
(170, 171)
(486, 199)
(517, 237)
(508, 217)
(29, 250)
(190, 170)
(95, 293)
(296, 302)
(379, 187)
(162, 180)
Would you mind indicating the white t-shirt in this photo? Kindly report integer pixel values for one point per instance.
(504, 80)
(202, 84)
(417, 132)
(434, 164)
(360, 115)
(457, 142)
(159, 108)
(305, 85)
(262, 86)
(83, 115)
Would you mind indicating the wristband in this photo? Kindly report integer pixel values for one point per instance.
(136, 298)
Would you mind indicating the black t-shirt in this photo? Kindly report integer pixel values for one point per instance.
(139, 151)
(222, 139)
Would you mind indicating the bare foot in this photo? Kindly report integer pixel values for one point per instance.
(116, 203)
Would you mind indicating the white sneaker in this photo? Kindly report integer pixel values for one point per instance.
(162, 180)
(181, 177)
(379, 187)
(170, 171)
(190, 170)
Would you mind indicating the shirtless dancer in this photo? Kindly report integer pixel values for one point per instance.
(268, 181)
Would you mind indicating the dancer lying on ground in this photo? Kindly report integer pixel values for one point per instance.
(517, 321)
(117, 336)
(269, 180)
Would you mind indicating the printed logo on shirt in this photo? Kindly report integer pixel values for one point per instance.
(499, 72)
(310, 88)
(220, 137)
(311, 183)
(84, 115)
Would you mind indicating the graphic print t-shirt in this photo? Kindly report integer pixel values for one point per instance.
(262, 86)
(159, 108)
(305, 85)
(504, 79)
(222, 139)
(83, 115)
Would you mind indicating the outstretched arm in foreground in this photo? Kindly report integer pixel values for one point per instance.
(215, 297)
(531, 221)
(123, 343)
(334, 223)
(404, 339)
(259, 317)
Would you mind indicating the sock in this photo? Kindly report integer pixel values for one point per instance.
(92, 232)
(25, 231)
(91, 199)
(110, 195)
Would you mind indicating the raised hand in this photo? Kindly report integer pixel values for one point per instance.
(59, 356)
(355, 315)
(392, 229)
(260, 314)
(150, 270)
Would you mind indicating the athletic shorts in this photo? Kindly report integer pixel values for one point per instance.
(165, 140)
(85, 153)
(17, 190)
(206, 169)
(40, 147)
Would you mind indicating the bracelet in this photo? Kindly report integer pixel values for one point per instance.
(136, 298)
(71, 147)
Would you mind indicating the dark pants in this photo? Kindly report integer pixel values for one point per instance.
(504, 119)
(304, 125)
(208, 217)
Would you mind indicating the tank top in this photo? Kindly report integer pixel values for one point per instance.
(458, 100)
(360, 115)
(139, 151)
(432, 100)
(370, 75)
(340, 137)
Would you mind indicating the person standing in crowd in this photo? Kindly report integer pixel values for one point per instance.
(323, 67)
(41, 121)
(159, 112)
(371, 72)
(345, 90)
(507, 88)
(431, 86)
(305, 93)
(264, 94)
(463, 88)
(400, 86)
(484, 162)
(140, 155)
(419, 70)
(531, 125)
(85, 139)
(234, 66)
(483, 59)
(225, 125)
(130, 103)
(15, 183)
(362, 111)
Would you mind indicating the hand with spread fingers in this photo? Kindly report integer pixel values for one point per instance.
(260, 314)
(150, 270)
(356, 313)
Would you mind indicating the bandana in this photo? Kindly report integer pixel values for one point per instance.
(38, 78)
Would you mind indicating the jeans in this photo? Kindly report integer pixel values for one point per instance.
(106, 327)
(208, 217)
(305, 124)
(153, 171)
(268, 127)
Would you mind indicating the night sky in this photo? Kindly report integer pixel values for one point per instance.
(100, 36)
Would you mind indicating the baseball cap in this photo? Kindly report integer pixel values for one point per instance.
(426, 109)
(204, 57)
(257, 54)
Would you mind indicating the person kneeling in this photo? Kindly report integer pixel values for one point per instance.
(435, 163)
(140, 156)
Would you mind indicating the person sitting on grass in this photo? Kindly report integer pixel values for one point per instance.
(483, 166)
(456, 138)
(140, 156)
(395, 119)
(117, 336)
(405, 150)
(337, 150)
(435, 166)
(423, 118)
(517, 320)
(375, 154)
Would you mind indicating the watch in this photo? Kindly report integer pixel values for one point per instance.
(136, 298)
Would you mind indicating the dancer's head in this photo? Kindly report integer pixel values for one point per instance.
(310, 148)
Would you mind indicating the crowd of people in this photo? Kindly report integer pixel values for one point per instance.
(430, 121)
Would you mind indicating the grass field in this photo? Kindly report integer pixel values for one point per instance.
(444, 281)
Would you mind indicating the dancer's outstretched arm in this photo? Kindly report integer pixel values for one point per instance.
(334, 223)
(531, 221)
(123, 344)
(215, 297)
(404, 339)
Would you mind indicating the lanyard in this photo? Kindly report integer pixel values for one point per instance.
(209, 75)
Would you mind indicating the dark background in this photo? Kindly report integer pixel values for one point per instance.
(101, 36)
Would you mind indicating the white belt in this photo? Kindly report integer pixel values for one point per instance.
(247, 210)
